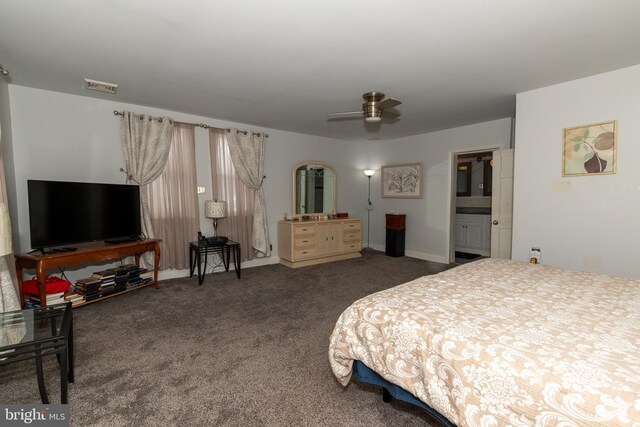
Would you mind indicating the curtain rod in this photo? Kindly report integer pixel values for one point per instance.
(202, 125)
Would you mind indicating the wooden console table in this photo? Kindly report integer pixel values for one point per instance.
(85, 254)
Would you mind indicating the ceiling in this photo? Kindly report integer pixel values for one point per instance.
(286, 64)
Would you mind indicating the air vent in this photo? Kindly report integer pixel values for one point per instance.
(101, 86)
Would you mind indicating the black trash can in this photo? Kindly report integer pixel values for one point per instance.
(396, 226)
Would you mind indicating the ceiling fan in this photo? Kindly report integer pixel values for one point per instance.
(374, 108)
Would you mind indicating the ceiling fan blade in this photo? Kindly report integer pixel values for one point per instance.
(388, 103)
(347, 114)
(390, 113)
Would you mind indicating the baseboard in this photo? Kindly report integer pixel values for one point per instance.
(417, 254)
(427, 257)
(256, 262)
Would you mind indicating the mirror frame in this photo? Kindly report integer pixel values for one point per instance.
(293, 188)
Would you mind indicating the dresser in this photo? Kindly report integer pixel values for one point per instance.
(303, 243)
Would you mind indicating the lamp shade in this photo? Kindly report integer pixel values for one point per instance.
(215, 209)
(5, 230)
(369, 172)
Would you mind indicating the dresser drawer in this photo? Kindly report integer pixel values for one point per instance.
(304, 253)
(351, 226)
(352, 236)
(305, 242)
(352, 247)
(304, 230)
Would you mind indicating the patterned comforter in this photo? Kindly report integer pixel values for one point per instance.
(498, 343)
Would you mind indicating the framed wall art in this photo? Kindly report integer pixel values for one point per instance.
(590, 149)
(402, 181)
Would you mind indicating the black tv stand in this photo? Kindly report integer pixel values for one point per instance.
(118, 240)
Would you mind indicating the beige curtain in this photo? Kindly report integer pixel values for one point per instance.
(145, 146)
(247, 154)
(9, 301)
(173, 200)
(145, 143)
(227, 186)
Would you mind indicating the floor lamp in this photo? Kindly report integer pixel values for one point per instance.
(369, 173)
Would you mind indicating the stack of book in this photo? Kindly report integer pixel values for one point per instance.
(74, 298)
(121, 279)
(107, 280)
(137, 276)
(56, 298)
(88, 287)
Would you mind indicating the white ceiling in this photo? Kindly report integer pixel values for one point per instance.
(286, 64)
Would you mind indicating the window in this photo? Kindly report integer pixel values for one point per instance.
(173, 200)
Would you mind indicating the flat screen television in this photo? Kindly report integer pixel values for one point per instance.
(63, 213)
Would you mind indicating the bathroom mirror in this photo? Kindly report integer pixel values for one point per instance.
(463, 180)
(314, 188)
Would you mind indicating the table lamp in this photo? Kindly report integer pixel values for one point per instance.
(215, 209)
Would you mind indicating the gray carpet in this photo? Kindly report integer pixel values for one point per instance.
(230, 352)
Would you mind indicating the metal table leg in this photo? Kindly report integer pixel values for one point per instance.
(192, 264)
(236, 260)
(70, 349)
(201, 272)
(226, 261)
(64, 385)
(40, 374)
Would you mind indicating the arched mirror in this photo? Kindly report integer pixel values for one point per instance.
(314, 188)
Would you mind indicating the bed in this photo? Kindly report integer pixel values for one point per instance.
(498, 342)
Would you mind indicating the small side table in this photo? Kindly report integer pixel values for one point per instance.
(224, 250)
(49, 330)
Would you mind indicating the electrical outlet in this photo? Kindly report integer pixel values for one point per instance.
(535, 256)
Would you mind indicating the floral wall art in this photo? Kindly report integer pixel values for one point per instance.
(590, 149)
(402, 181)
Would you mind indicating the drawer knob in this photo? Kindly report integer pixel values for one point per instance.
(495, 222)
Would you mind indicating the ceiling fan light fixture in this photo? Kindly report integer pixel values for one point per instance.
(373, 108)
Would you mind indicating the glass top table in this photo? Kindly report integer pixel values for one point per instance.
(224, 249)
(34, 333)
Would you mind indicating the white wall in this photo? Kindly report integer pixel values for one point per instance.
(75, 138)
(58, 136)
(589, 223)
(429, 218)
